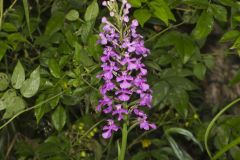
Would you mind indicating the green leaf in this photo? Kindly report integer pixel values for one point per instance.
(18, 76)
(178, 152)
(2, 105)
(185, 46)
(185, 133)
(204, 25)
(92, 11)
(197, 3)
(160, 91)
(42, 109)
(81, 56)
(199, 70)
(234, 143)
(142, 15)
(180, 101)
(236, 44)
(26, 12)
(161, 10)
(4, 82)
(219, 12)
(59, 118)
(3, 49)
(31, 85)
(13, 104)
(72, 15)
(236, 79)
(167, 39)
(54, 68)
(93, 47)
(140, 156)
(55, 23)
(85, 30)
(135, 3)
(16, 37)
(230, 36)
(211, 124)
(9, 27)
(230, 3)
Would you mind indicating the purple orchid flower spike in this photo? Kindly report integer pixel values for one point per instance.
(124, 74)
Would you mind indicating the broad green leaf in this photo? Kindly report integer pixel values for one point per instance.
(31, 85)
(230, 36)
(199, 70)
(135, 3)
(18, 76)
(4, 81)
(55, 23)
(59, 118)
(180, 101)
(85, 30)
(185, 47)
(72, 15)
(42, 109)
(54, 68)
(93, 47)
(14, 104)
(219, 12)
(204, 25)
(142, 15)
(161, 10)
(160, 91)
(178, 82)
(92, 11)
(167, 39)
(81, 56)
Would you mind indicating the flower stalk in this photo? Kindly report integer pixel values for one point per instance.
(125, 92)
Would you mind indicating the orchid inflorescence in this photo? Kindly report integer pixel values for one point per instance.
(125, 90)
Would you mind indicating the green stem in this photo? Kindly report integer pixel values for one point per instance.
(210, 126)
(124, 141)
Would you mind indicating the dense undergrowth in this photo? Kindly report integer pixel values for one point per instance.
(49, 60)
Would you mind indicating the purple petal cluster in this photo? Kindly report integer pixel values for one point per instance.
(125, 91)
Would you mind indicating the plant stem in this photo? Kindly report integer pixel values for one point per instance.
(124, 141)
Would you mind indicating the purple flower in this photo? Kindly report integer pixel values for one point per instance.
(123, 94)
(108, 129)
(105, 101)
(108, 86)
(119, 111)
(144, 124)
(123, 71)
(124, 80)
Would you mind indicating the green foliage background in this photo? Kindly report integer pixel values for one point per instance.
(49, 60)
